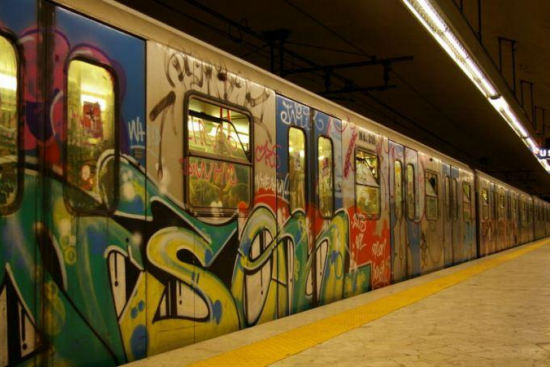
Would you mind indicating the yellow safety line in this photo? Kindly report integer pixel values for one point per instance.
(273, 349)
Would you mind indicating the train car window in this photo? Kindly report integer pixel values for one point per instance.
(485, 203)
(367, 183)
(410, 192)
(523, 212)
(466, 199)
(432, 195)
(502, 208)
(325, 177)
(454, 199)
(448, 207)
(508, 210)
(9, 126)
(398, 190)
(91, 148)
(297, 169)
(218, 157)
(494, 205)
(217, 130)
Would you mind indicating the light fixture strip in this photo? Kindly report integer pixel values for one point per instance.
(430, 18)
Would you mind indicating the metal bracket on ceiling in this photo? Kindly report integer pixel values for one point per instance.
(386, 63)
(349, 88)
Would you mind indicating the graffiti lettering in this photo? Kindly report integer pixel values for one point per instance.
(378, 248)
(350, 150)
(136, 131)
(295, 114)
(359, 223)
(268, 154)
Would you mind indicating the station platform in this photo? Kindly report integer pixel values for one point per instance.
(493, 311)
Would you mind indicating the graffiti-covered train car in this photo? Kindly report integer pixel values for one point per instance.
(156, 192)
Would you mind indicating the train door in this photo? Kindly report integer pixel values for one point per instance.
(331, 260)
(294, 173)
(21, 216)
(95, 297)
(414, 180)
(458, 251)
(447, 216)
(399, 238)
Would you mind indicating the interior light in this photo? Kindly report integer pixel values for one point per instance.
(302, 153)
(94, 90)
(8, 82)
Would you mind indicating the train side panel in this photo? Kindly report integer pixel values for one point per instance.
(21, 186)
(366, 199)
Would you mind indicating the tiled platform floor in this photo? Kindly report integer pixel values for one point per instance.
(500, 317)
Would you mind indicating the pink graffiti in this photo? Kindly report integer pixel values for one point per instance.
(268, 154)
(348, 165)
(214, 172)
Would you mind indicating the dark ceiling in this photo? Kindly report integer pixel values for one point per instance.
(428, 98)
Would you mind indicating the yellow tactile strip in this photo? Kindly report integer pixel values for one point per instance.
(273, 349)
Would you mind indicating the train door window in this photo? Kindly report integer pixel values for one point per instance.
(325, 177)
(448, 208)
(410, 192)
(297, 169)
(502, 206)
(431, 195)
(367, 185)
(466, 200)
(508, 209)
(454, 199)
(494, 204)
(91, 147)
(485, 203)
(9, 126)
(218, 157)
(523, 212)
(398, 190)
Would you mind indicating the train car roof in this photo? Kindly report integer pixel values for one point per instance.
(499, 182)
(143, 26)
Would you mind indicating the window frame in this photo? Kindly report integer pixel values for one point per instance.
(448, 198)
(333, 176)
(414, 194)
(306, 165)
(187, 153)
(116, 132)
(357, 211)
(438, 196)
(454, 199)
(468, 202)
(485, 203)
(20, 136)
(403, 204)
(514, 207)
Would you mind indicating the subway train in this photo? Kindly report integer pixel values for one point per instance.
(156, 192)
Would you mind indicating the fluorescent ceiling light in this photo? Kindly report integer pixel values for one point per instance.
(429, 16)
